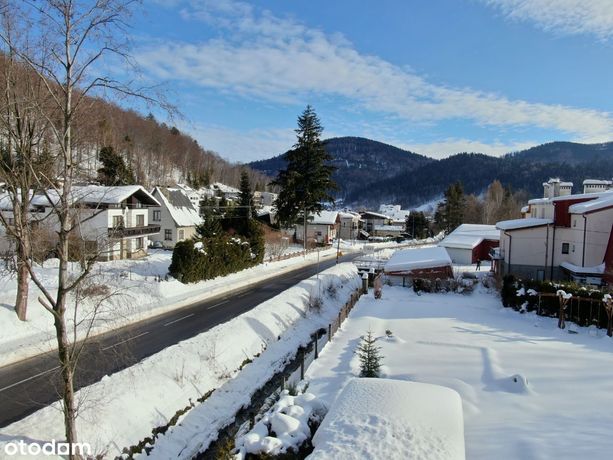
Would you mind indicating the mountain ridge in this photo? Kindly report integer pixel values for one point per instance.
(371, 172)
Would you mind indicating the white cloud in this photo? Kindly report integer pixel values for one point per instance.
(446, 147)
(562, 16)
(277, 59)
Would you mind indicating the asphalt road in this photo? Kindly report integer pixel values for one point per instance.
(33, 383)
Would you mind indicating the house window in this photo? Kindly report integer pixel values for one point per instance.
(140, 220)
(140, 244)
(157, 216)
(168, 234)
(565, 247)
(117, 221)
(181, 235)
(574, 222)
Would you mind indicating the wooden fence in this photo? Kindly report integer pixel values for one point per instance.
(583, 311)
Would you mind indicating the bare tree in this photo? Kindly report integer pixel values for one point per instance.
(607, 300)
(74, 38)
(23, 153)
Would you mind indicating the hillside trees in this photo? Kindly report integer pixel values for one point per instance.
(306, 182)
(450, 213)
(417, 225)
(114, 170)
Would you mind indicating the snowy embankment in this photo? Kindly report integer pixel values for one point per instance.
(529, 390)
(140, 290)
(122, 409)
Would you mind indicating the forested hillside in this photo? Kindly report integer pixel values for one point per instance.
(157, 154)
(370, 173)
(358, 162)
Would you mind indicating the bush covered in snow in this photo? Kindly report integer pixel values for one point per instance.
(287, 427)
(208, 258)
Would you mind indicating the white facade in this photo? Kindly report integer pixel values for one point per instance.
(176, 216)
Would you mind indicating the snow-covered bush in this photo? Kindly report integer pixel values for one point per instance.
(284, 429)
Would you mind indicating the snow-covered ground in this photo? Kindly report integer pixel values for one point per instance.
(122, 409)
(138, 295)
(529, 390)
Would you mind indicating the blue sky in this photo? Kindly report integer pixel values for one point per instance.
(436, 77)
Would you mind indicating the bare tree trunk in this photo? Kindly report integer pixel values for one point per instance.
(23, 278)
(67, 365)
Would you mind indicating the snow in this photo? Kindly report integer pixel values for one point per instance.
(323, 218)
(138, 296)
(97, 194)
(389, 228)
(516, 224)
(468, 236)
(384, 418)
(122, 408)
(284, 427)
(598, 269)
(529, 390)
(418, 258)
(184, 216)
(603, 201)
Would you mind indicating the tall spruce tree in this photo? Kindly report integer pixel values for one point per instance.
(453, 207)
(114, 170)
(306, 182)
(245, 198)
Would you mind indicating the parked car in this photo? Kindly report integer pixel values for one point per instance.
(156, 245)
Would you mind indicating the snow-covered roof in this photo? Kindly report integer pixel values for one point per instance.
(597, 182)
(516, 224)
(525, 209)
(376, 215)
(577, 196)
(419, 258)
(468, 236)
(384, 418)
(389, 228)
(99, 194)
(179, 206)
(324, 218)
(540, 200)
(266, 210)
(349, 215)
(597, 270)
(605, 200)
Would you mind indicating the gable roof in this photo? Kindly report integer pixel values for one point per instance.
(324, 218)
(468, 236)
(415, 259)
(98, 194)
(179, 206)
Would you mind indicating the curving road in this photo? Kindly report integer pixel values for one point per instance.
(28, 385)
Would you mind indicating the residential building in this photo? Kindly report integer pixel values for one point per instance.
(596, 185)
(350, 225)
(176, 216)
(372, 220)
(111, 222)
(571, 238)
(262, 199)
(397, 216)
(321, 228)
(471, 242)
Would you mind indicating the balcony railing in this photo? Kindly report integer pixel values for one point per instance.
(130, 232)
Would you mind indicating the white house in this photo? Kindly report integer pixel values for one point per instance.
(176, 216)
(396, 215)
(471, 242)
(261, 199)
(321, 227)
(574, 241)
(372, 220)
(112, 222)
(350, 224)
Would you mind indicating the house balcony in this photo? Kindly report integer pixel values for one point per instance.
(133, 232)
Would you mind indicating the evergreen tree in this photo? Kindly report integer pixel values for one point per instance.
(245, 198)
(417, 225)
(453, 208)
(114, 170)
(306, 181)
(370, 357)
